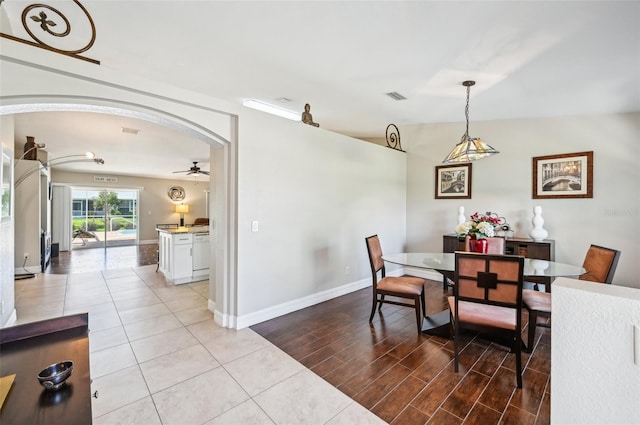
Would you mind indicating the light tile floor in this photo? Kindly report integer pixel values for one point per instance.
(157, 357)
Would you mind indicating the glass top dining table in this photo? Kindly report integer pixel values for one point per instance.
(445, 262)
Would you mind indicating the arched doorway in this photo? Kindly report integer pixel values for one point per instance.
(222, 154)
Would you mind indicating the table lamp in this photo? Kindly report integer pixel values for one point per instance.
(182, 209)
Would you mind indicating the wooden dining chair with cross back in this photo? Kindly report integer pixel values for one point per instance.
(488, 299)
(600, 264)
(406, 287)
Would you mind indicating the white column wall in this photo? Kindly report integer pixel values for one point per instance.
(595, 380)
(60, 217)
(7, 290)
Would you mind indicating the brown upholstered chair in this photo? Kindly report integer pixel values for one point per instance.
(201, 221)
(600, 264)
(401, 287)
(488, 298)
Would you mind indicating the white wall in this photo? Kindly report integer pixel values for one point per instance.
(316, 195)
(28, 226)
(595, 380)
(502, 183)
(7, 290)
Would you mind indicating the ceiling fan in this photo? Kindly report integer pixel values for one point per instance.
(194, 170)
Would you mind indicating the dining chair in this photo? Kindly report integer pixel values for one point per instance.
(406, 287)
(495, 245)
(487, 298)
(600, 264)
(201, 221)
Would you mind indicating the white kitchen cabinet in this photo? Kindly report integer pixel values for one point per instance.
(184, 254)
(182, 257)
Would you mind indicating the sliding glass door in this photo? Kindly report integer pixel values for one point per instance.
(104, 217)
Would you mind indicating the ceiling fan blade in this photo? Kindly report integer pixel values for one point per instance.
(194, 170)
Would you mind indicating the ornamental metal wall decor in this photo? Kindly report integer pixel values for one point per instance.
(41, 22)
(393, 137)
(176, 193)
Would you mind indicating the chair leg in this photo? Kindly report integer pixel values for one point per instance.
(531, 332)
(381, 302)
(373, 307)
(517, 345)
(456, 339)
(418, 313)
(424, 304)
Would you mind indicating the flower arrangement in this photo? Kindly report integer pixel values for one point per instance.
(479, 226)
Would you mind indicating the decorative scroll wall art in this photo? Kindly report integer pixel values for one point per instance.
(176, 193)
(51, 29)
(393, 137)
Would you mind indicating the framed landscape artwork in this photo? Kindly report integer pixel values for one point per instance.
(568, 175)
(453, 181)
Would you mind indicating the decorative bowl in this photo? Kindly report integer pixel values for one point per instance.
(54, 376)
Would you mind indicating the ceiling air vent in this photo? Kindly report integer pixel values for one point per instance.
(395, 96)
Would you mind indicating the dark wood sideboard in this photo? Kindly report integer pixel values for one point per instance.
(543, 250)
(26, 350)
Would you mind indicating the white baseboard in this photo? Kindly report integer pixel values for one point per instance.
(313, 299)
(221, 319)
(12, 319)
(148, 242)
(300, 303)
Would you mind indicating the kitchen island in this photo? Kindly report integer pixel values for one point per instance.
(184, 253)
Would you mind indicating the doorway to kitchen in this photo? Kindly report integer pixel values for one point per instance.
(103, 217)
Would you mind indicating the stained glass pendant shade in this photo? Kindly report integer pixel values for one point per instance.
(469, 149)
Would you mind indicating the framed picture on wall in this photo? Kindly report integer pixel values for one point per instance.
(453, 181)
(568, 175)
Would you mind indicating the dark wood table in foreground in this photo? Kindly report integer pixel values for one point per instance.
(27, 349)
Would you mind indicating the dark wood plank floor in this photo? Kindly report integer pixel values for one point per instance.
(406, 378)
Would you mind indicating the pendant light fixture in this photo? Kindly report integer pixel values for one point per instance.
(469, 149)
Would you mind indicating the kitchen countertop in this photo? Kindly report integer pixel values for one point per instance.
(185, 229)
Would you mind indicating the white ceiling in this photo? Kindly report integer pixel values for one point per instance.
(530, 59)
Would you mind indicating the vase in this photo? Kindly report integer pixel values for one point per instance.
(461, 218)
(538, 233)
(478, 245)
